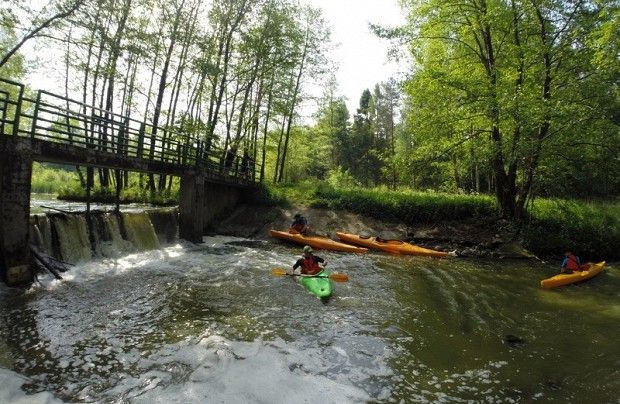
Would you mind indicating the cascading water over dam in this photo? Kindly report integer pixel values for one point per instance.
(70, 238)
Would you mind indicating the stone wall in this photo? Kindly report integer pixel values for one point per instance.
(15, 173)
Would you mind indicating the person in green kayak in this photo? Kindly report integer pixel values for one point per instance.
(309, 262)
(570, 263)
(299, 225)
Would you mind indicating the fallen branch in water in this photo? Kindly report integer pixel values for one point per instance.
(46, 263)
(66, 212)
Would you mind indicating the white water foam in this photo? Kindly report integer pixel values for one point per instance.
(11, 390)
(214, 369)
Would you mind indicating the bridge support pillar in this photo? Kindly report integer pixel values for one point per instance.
(15, 173)
(191, 208)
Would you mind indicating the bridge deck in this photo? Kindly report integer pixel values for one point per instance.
(62, 130)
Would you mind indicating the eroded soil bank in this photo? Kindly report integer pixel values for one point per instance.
(469, 238)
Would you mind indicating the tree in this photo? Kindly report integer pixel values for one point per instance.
(13, 68)
(62, 11)
(514, 75)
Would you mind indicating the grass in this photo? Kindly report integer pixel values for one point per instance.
(49, 180)
(405, 206)
(132, 194)
(589, 229)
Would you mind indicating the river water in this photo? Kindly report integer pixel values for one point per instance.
(209, 323)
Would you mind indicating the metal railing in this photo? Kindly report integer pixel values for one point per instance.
(59, 119)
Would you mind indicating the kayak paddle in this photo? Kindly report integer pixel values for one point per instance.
(333, 277)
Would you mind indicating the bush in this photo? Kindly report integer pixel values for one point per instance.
(406, 206)
(591, 230)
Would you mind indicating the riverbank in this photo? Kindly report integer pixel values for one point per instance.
(447, 222)
(465, 223)
(468, 238)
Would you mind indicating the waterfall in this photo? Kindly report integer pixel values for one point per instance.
(72, 236)
(109, 241)
(41, 229)
(66, 236)
(140, 230)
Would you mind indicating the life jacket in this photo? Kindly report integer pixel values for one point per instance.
(310, 266)
(298, 227)
(571, 263)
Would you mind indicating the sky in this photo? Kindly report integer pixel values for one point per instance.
(361, 57)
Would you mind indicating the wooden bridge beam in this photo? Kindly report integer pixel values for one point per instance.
(15, 174)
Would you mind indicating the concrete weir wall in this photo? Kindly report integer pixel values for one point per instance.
(15, 173)
(201, 203)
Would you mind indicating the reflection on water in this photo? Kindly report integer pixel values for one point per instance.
(209, 323)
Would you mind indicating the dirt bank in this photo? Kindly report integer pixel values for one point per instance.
(470, 238)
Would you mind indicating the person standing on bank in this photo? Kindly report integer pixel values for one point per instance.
(231, 154)
(309, 262)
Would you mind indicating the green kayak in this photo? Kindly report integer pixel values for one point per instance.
(319, 285)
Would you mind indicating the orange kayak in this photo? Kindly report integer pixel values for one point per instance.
(322, 243)
(391, 246)
(591, 270)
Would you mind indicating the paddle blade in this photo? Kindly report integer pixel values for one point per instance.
(278, 272)
(339, 277)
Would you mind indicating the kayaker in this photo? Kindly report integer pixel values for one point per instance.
(299, 225)
(570, 263)
(309, 262)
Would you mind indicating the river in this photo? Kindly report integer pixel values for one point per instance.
(209, 323)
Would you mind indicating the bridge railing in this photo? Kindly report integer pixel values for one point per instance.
(59, 119)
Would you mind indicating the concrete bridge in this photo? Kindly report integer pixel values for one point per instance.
(52, 128)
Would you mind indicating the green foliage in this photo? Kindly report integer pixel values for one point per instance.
(406, 206)
(14, 68)
(530, 87)
(284, 194)
(269, 196)
(48, 179)
(341, 178)
(591, 230)
(64, 181)
(128, 195)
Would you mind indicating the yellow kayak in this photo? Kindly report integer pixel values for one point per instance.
(391, 246)
(564, 279)
(322, 243)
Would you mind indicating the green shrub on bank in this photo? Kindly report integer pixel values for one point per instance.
(405, 206)
(591, 230)
(267, 196)
(48, 180)
(132, 194)
(285, 194)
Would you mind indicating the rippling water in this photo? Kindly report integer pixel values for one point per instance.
(209, 323)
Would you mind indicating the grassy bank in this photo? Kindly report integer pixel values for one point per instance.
(49, 179)
(64, 182)
(592, 230)
(133, 194)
